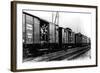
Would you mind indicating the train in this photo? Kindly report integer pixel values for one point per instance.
(41, 36)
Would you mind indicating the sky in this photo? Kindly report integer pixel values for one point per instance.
(78, 22)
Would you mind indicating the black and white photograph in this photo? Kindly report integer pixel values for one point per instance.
(54, 35)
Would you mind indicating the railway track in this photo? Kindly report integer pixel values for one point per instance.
(60, 55)
(77, 54)
(72, 54)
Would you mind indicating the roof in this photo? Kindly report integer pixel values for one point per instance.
(37, 17)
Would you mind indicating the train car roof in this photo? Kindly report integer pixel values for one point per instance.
(69, 29)
(62, 27)
(36, 17)
(79, 34)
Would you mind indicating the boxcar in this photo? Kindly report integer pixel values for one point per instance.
(53, 37)
(78, 39)
(35, 35)
(70, 38)
(85, 40)
(62, 38)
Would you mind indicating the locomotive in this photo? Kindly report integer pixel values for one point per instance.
(41, 36)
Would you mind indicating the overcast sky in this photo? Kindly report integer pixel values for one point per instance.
(78, 22)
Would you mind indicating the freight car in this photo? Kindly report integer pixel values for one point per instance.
(70, 38)
(66, 38)
(81, 40)
(62, 37)
(35, 35)
(78, 39)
